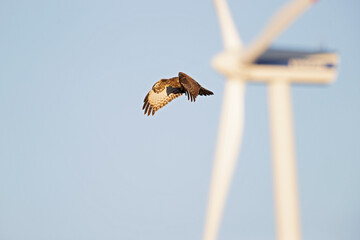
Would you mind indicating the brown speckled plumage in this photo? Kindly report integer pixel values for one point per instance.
(166, 90)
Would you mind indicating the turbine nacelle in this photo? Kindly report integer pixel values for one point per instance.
(292, 66)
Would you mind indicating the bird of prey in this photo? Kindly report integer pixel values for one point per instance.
(166, 90)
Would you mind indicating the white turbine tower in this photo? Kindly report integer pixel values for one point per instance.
(279, 69)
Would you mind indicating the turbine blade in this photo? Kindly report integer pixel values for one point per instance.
(281, 20)
(231, 38)
(228, 145)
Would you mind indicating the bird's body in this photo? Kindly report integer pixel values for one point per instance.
(165, 90)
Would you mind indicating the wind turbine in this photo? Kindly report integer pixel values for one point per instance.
(278, 68)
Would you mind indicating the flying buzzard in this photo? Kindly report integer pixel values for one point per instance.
(165, 90)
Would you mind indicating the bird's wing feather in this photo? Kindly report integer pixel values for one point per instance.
(157, 99)
(191, 87)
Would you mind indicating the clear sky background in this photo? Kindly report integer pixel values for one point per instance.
(79, 160)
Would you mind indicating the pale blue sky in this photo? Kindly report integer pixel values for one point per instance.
(78, 160)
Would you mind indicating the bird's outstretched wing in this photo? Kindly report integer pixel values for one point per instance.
(191, 87)
(163, 92)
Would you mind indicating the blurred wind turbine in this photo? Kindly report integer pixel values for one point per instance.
(278, 68)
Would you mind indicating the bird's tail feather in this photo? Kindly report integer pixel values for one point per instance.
(205, 92)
